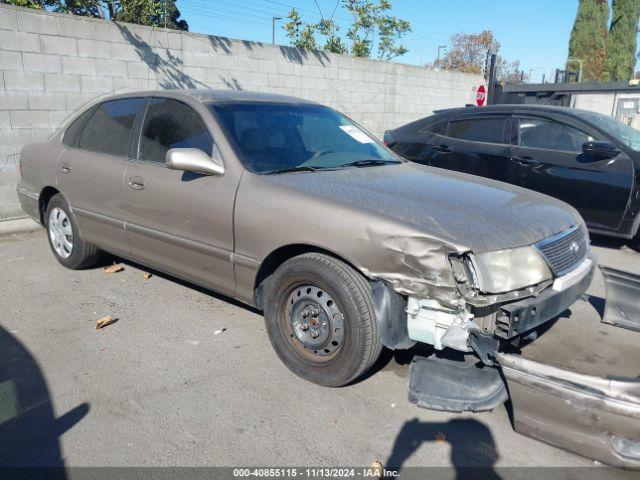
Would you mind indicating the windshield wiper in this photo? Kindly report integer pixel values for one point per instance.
(370, 162)
(299, 168)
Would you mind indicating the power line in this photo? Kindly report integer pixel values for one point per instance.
(260, 15)
(225, 17)
(229, 12)
(241, 8)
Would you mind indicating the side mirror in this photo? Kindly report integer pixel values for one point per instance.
(600, 150)
(194, 160)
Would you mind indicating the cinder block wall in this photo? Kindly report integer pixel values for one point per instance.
(51, 64)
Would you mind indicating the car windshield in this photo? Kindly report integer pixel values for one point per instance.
(278, 137)
(626, 134)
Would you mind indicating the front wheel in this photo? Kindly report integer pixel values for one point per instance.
(320, 319)
(64, 236)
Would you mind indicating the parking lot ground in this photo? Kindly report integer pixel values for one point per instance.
(578, 341)
(160, 388)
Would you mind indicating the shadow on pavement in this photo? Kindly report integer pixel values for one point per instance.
(29, 431)
(108, 259)
(473, 450)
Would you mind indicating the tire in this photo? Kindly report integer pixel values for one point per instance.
(338, 300)
(64, 236)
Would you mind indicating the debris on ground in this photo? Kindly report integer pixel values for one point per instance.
(218, 332)
(440, 437)
(105, 322)
(376, 469)
(116, 267)
(146, 275)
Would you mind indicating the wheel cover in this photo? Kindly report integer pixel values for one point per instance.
(316, 324)
(60, 232)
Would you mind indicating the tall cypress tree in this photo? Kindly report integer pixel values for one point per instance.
(589, 38)
(621, 42)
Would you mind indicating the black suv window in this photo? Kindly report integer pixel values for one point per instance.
(170, 124)
(488, 130)
(550, 135)
(439, 128)
(109, 128)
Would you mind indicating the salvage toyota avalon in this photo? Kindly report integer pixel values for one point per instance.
(291, 207)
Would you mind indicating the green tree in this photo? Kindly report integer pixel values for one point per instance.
(368, 19)
(144, 12)
(301, 35)
(588, 40)
(38, 4)
(328, 29)
(147, 12)
(620, 57)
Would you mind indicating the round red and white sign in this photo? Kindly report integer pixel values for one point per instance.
(481, 95)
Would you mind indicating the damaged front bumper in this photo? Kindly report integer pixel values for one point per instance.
(519, 317)
(466, 329)
(595, 417)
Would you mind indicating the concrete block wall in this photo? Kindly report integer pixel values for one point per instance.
(52, 64)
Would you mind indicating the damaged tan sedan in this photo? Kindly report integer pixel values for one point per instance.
(291, 207)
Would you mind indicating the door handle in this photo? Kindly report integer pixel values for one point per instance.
(65, 168)
(442, 149)
(525, 161)
(137, 183)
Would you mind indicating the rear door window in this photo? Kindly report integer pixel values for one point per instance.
(550, 135)
(109, 128)
(72, 134)
(171, 124)
(486, 130)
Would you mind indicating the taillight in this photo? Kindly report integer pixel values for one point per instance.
(20, 167)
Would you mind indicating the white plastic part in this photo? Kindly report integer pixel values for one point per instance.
(431, 323)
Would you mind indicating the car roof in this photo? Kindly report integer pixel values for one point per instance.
(214, 96)
(510, 108)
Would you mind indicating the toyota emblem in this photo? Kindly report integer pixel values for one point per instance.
(574, 247)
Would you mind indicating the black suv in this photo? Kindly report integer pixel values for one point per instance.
(586, 159)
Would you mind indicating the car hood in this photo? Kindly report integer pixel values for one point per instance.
(473, 213)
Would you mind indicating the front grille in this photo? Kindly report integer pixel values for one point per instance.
(566, 250)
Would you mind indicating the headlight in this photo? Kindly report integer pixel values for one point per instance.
(512, 269)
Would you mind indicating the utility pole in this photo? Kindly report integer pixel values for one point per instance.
(440, 47)
(273, 29)
(491, 82)
(165, 13)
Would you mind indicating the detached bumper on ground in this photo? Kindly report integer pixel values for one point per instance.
(595, 417)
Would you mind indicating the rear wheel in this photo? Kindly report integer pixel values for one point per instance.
(64, 236)
(320, 319)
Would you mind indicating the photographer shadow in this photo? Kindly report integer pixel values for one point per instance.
(29, 430)
(473, 450)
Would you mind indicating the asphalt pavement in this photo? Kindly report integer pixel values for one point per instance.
(186, 377)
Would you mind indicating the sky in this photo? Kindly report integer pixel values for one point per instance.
(536, 32)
